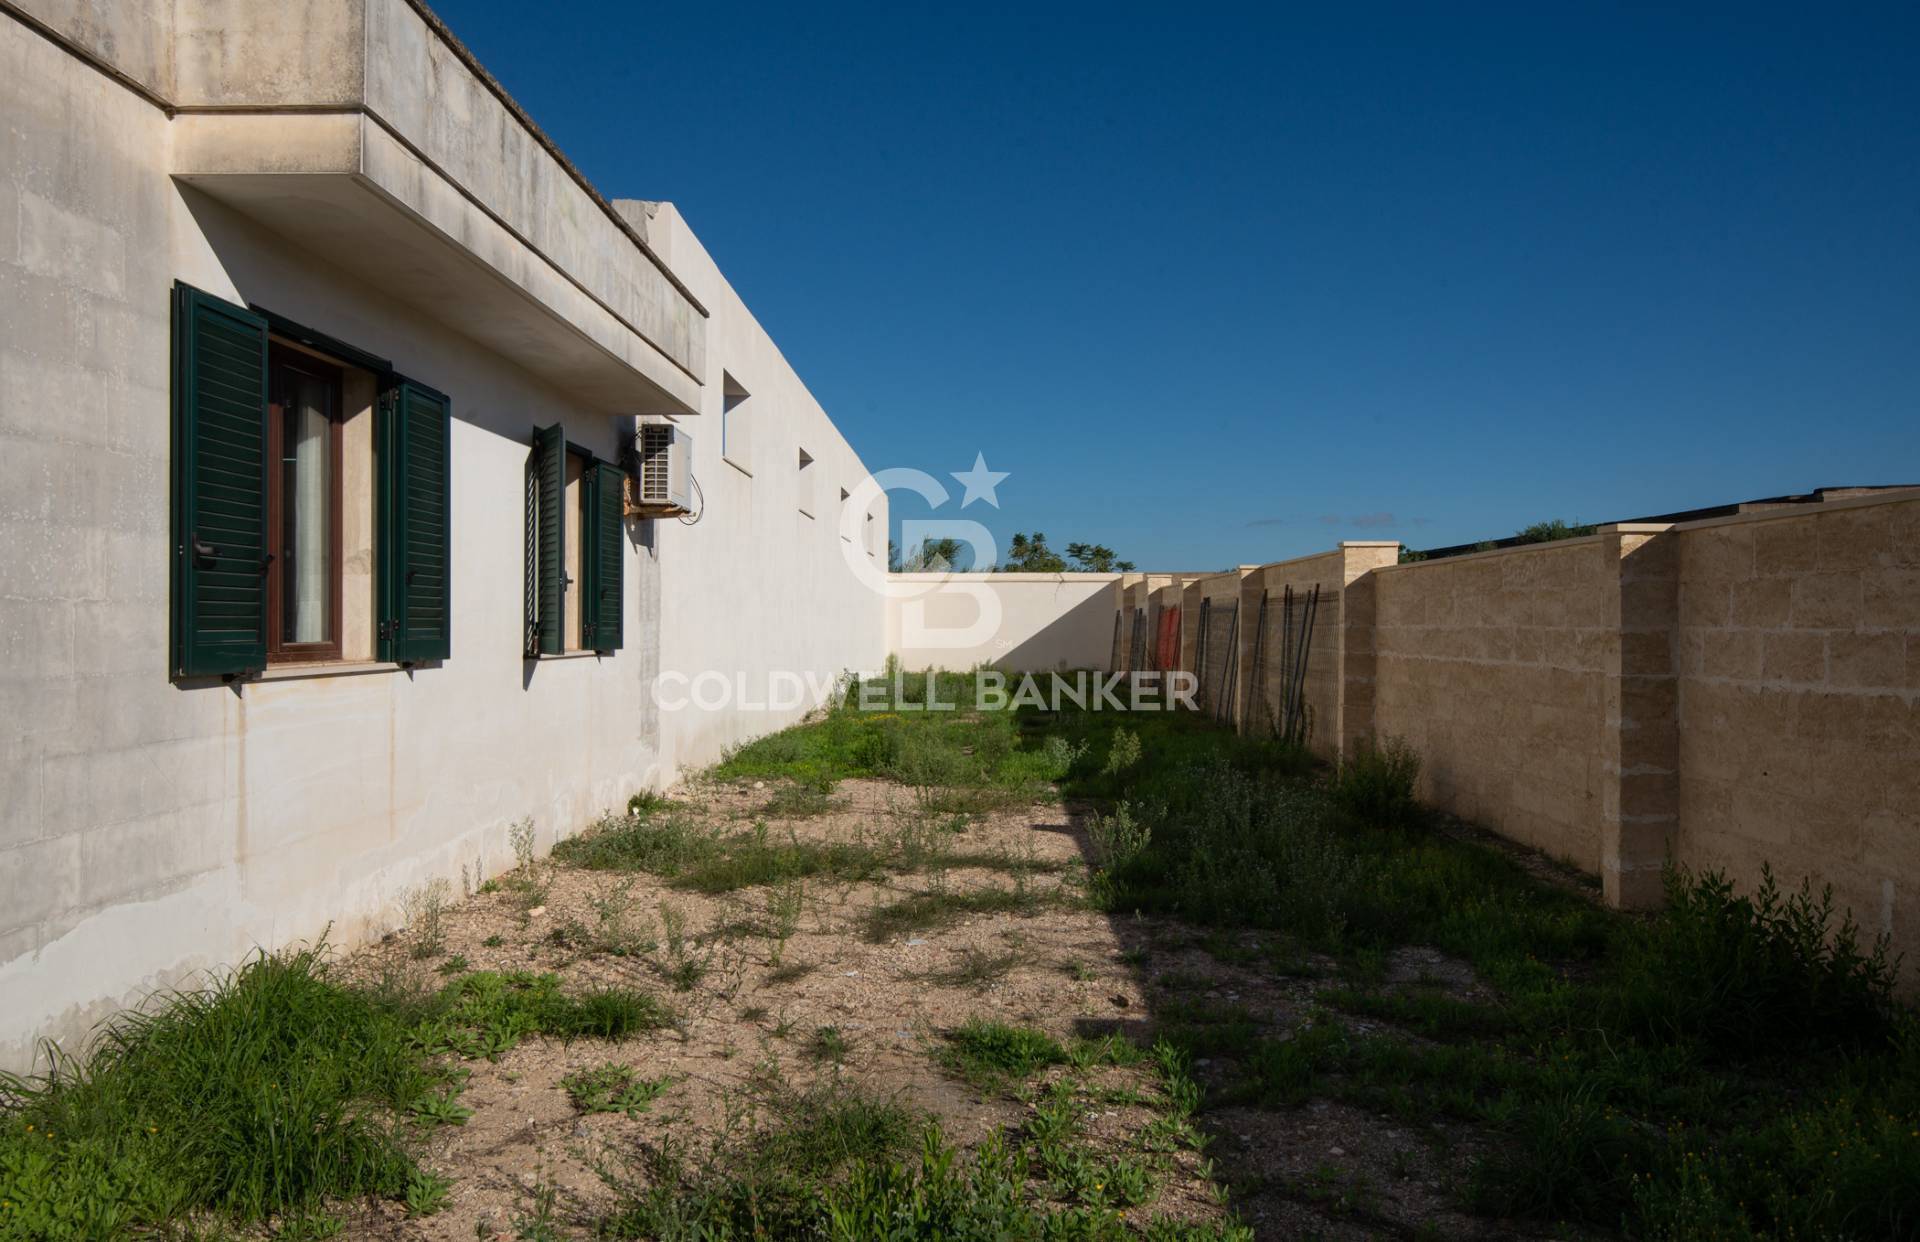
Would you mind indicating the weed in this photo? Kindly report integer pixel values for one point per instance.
(258, 1096)
(1375, 784)
(784, 906)
(976, 968)
(441, 1108)
(425, 909)
(1123, 754)
(828, 1044)
(1117, 839)
(929, 910)
(1062, 755)
(644, 803)
(991, 1053)
(487, 1013)
(1740, 975)
(790, 972)
(427, 1193)
(766, 1183)
(613, 1088)
(799, 801)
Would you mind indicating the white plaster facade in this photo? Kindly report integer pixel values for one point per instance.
(343, 163)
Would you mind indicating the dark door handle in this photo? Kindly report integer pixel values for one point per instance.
(411, 575)
(266, 561)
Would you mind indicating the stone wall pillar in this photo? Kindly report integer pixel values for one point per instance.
(1640, 782)
(1353, 719)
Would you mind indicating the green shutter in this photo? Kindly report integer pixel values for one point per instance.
(547, 500)
(414, 439)
(606, 546)
(219, 616)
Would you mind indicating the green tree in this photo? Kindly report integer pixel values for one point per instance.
(1029, 554)
(1547, 532)
(1096, 558)
(930, 556)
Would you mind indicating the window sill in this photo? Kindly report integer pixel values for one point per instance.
(566, 655)
(736, 465)
(325, 668)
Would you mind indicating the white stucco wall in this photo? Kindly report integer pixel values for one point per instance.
(756, 586)
(1045, 621)
(150, 830)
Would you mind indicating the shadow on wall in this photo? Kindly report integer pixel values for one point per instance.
(1081, 637)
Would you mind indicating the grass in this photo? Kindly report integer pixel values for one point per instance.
(768, 1182)
(1734, 1066)
(703, 858)
(836, 1163)
(264, 1095)
(990, 1053)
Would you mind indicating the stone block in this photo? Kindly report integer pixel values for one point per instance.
(1866, 661)
(1716, 554)
(1854, 539)
(1762, 603)
(1649, 796)
(1827, 601)
(1704, 603)
(1734, 654)
(1785, 546)
(1794, 657)
(1890, 598)
(1903, 524)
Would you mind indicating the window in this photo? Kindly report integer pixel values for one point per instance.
(869, 536)
(294, 454)
(806, 502)
(304, 439)
(736, 425)
(575, 549)
(842, 521)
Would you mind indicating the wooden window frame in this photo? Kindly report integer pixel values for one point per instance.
(283, 357)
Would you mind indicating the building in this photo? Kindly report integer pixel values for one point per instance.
(319, 379)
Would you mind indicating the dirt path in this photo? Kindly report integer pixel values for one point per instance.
(846, 999)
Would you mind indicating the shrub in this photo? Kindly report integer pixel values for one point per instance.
(1117, 839)
(1375, 785)
(658, 844)
(1744, 975)
(1062, 755)
(646, 802)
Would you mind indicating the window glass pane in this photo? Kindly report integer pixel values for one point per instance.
(306, 554)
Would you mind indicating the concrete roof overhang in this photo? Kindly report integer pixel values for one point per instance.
(342, 186)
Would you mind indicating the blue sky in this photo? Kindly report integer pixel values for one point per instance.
(1224, 284)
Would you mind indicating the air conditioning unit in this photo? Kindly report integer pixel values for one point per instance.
(662, 479)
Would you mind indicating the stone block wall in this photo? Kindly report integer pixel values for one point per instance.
(1335, 645)
(1798, 704)
(1494, 667)
(1725, 693)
